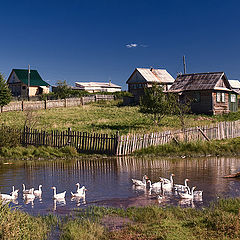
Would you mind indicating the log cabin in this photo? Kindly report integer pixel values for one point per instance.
(209, 93)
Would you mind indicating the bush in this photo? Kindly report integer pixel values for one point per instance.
(9, 137)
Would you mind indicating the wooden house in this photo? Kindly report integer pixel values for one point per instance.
(145, 77)
(18, 83)
(93, 87)
(209, 93)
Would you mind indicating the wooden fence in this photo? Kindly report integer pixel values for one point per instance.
(60, 103)
(82, 141)
(125, 145)
(130, 143)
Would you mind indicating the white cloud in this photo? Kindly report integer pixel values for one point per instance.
(132, 45)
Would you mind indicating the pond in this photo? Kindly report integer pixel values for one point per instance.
(108, 181)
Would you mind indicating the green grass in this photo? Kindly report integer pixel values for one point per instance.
(15, 224)
(219, 221)
(42, 152)
(103, 117)
(228, 147)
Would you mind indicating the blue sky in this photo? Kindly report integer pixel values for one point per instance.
(78, 40)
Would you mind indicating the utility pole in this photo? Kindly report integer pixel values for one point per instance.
(28, 82)
(184, 65)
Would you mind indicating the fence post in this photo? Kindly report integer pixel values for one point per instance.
(116, 142)
(69, 136)
(45, 104)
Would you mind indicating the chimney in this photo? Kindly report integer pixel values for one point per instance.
(151, 68)
(109, 82)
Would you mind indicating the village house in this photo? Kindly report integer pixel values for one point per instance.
(94, 87)
(18, 83)
(209, 93)
(144, 78)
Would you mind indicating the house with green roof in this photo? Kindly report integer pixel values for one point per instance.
(18, 83)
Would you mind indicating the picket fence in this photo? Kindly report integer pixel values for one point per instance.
(82, 141)
(125, 144)
(223, 130)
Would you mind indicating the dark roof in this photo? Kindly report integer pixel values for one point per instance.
(35, 78)
(198, 81)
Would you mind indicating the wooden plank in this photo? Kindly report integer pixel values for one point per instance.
(201, 131)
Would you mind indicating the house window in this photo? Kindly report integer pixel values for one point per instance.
(223, 97)
(218, 97)
(197, 97)
(233, 98)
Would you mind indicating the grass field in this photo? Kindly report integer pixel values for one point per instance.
(15, 224)
(103, 117)
(219, 221)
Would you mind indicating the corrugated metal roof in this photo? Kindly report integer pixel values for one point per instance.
(234, 83)
(197, 81)
(96, 84)
(156, 75)
(35, 78)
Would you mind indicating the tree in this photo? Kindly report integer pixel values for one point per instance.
(5, 93)
(181, 108)
(62, 89)
(156, 103)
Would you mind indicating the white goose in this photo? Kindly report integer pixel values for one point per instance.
(188, 194)
(142, 182)
(29, 195)
(26, 191)
(167, 183)
(81, 193)
(156, 185)
(182, 188)
(59, 195)
(170, 180)
(78, 186)
(38, 192)
(14, 192)
(5, 197)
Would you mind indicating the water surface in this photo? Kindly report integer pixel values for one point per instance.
(108, 181)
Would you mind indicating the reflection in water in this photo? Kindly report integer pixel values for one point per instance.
(108, 181)
(29, 201)
(58, 202)
(79, 200)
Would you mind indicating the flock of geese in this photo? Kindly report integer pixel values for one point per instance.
(161, 188)
(183, 191)
(30, 194)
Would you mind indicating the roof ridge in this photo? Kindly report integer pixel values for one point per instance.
(186, 74)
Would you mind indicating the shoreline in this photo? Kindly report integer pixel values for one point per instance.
(219, 220)
(228, 147)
